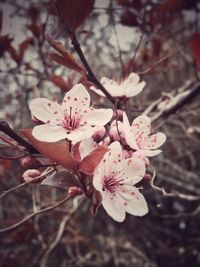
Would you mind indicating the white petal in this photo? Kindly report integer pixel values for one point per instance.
(87, 146)
(46, 110)
(133, 170)
(134, 201)
(113, 206)
(112, 87)
(98, 178)
(134, 90)
(150, 153)
(81, 133)
(131, 80)
(77, 98)
(141, 127)
(97, 91)
(129, 137)
(98, 116)
(49, 133)
(154, 141)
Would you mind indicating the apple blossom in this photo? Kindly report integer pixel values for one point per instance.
(127, 88)
(115, 178)
(138, 136)
(74, 119)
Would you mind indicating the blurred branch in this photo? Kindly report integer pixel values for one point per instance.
(5, 128)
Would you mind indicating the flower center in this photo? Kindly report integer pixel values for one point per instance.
(110, 183)
(70, 121)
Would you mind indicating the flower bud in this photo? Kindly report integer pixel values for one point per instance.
(74, 191)
(99, 134)
(118, 115)
(31, 174)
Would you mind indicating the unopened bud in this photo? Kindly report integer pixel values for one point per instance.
(75, 191)
(127, 153)
(99, 134)
(31, 174)
(30, 163)
(118, 114)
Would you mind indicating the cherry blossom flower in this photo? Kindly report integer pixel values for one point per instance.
(74, 119)
(127, 88)
(115, 178)
(138, 136)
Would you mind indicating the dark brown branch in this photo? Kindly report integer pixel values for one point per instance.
(5, 128)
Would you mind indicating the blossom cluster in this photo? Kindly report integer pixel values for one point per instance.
(124, 164)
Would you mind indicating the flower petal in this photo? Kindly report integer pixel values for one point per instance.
(134, 90)
(129, 137)
(98, 117)
(46, 110)
(134, 201)
(77, 98)
(49, 133)
(111, 86)
(133, 170)
(150, 153)
(141, 127)
(87, 146)
(154, 141)
(113, 207)
(131, 80)
(81, 133)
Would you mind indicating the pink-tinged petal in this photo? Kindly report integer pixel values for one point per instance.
(139, 155)
(131, 80)
(77, 98)
(49, 133)
(134, 90)
(129, 137)
(87, 146)
(133, 170)
(80, 133)
(154, 141)
(98, 117)
(150, 153)
(113, 206)
(111, 86)
(141, 127)
(133, 201)
(98, 178)
(46, 110)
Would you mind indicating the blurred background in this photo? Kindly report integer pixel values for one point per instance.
(160, 40)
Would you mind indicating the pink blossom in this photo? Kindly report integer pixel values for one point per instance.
(138, 136)
(127, 88)
(31, 174)
(74, 119)
(115, 178)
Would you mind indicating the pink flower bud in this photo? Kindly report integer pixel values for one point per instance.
(74, 191)
(30, 163)
(31, 174)
(118, 115)
(99, 134)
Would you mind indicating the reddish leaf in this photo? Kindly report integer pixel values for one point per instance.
(33, 13)
(58, 152)
(156, 46)
(90, 162)
(35, 29)
(68, 59)
(194, 44)
(61, 83)
(5, 42)
(128, 18)
(69, 63)
(11, 153)
(75, 12)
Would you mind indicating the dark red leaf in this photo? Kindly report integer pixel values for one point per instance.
(61, 83)
(58, 152)
(90, 162)
(35, 29)
(194, 44)
(10, 153)
(74, 12)
(5, 42)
